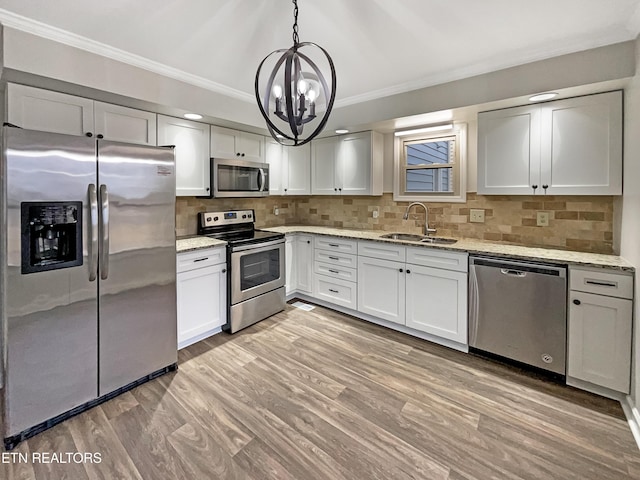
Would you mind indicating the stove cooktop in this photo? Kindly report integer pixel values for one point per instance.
(246, 237)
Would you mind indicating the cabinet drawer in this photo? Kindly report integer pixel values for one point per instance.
(438, 259)
(342, 259)
(601, 282)
(200, 258)
(382, 251)
(335, 244)
(336, 291)
(344, 273)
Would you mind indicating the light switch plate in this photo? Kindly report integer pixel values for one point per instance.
(476, 215)
(543, 219)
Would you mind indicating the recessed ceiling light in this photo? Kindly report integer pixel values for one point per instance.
(193, 116)
(435, 128)
(543, 96)
(340, 131)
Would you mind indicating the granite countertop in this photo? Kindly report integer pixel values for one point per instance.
(477, 247)
(196, 242)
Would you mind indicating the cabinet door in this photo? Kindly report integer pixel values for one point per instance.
(304, 263)
(298, 171)
(47, 111)
(381, 289)
(323, 166)
(202, 303)
(251, 147)
(600, 340)
(582, 145)
(291, 277)
(274, 156)
(353, 165)
(509, 151)
(437, 302)
(224, 142)
(191, 140)
(122, 124)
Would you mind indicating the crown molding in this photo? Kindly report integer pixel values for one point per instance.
(34, 27)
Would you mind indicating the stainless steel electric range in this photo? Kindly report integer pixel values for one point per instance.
(255, 266)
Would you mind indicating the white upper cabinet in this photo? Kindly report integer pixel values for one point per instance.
(566, 147)
(289, 169)
(349, 164)
(191, 140)
(123, 124)
(229, 143)
(47, 111)
(581, 145)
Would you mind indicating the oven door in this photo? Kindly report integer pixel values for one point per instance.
(256, 269)
(239, 178)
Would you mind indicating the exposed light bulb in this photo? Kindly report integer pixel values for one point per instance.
(312, 95)
(277, 91)
(303, 86)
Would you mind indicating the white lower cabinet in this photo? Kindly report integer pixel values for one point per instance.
(428, 299)
(437, 302)
(201, 294)
(335, 290)
(291, 264)
(600, 325)
(381, 288)
(304, 263)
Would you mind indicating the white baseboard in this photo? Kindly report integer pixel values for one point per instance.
(197, 338)
(633, 417)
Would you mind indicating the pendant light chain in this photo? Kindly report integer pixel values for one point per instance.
(296, 40)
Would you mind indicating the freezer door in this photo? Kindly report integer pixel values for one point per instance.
(137, 267)
(50, 335)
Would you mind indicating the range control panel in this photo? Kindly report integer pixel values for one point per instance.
(231, 217)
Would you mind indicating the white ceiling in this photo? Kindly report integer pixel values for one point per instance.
(379, 47)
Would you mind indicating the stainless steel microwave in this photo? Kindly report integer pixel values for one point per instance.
(238, 178)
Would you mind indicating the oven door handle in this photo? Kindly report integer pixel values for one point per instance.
(258, 247)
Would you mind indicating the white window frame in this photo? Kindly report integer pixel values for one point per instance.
(459, 194)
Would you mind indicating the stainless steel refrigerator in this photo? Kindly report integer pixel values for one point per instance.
(88, 277)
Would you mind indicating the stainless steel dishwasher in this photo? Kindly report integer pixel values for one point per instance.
(519, 311)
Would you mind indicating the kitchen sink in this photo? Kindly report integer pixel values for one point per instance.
(403, 236)
(438, 240)
(412, 237)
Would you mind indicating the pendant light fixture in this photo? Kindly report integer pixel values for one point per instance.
(295, 98)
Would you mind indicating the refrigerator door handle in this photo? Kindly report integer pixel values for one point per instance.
(93, 233)
(104, 239)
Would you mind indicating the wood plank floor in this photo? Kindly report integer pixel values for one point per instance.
(319, 395)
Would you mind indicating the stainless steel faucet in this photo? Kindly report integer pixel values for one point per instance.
(427, 230)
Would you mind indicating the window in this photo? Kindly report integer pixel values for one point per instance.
(430, 167)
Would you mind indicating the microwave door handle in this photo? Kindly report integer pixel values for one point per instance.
(261, 181)
(93, 232)
(104, 239)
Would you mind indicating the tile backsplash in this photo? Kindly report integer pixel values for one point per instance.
(582, 223)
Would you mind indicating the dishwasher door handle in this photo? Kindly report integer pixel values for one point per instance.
(512, 273)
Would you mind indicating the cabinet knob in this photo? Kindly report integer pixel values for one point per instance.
(237, 154)
(335, 189)
(534, 187)
(89, 134)
(285, 189)
(576, 302)
(400, 270)
(242, 155)
(545, 188)
(100, 135)
(340, 189)
(408, 271)
(308, 241)
(224, 270)
(208, 189)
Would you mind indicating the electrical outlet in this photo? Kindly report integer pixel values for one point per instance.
(376, 212)
(476, 215)
(543, 219)
(276, 211)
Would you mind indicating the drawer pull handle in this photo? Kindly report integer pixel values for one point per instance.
(334, 271)
(334, 291)
(601, 284)
(334, 245)
(576, 302)
(334, 258)
(200, 259)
